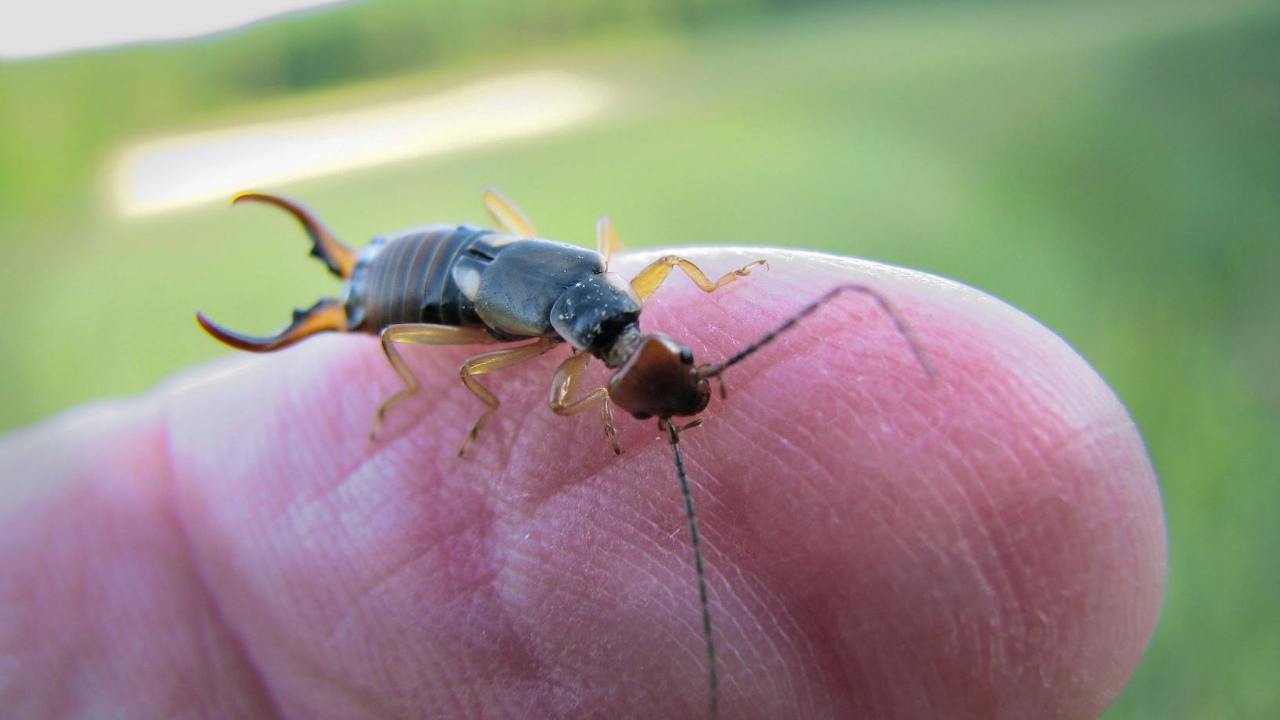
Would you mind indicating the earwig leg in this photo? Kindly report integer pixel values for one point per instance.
(340, 259)
(606, 239)
(488, 362)
(418, 335)
(566, 381)
(506, 215)
(651, 277)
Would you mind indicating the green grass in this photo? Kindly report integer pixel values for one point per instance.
(1112, 170)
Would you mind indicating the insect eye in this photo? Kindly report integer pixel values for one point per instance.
(686, 356)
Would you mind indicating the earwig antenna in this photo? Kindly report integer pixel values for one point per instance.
(713, 679)
(714, 370)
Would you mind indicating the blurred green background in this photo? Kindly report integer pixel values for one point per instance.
(1111, 169)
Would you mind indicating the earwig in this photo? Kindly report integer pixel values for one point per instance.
(464, 285)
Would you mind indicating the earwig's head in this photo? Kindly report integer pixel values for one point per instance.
(659, 379)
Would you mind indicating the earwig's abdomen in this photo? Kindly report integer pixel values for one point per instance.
(411, 277)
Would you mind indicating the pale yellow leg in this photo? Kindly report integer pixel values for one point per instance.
(606, 239)
(566, 381)
(506, 215)
(488, 362)
(651, 277)
(419, 334)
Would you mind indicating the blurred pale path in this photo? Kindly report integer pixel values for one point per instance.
(176, 172)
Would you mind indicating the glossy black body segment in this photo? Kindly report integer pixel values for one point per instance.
(410, 278)
(464, 276)
(525, 279)
(591, 313)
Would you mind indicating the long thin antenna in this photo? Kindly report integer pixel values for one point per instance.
(713, 679)
(714, 370)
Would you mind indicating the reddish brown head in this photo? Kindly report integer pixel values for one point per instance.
(659, 380)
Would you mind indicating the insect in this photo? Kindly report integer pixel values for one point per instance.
(462, 285)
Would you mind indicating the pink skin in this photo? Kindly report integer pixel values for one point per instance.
(987, 546)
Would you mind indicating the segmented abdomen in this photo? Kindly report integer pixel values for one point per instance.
(409, 278)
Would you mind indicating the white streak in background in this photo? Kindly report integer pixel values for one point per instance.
(31, 29)
(186, 170)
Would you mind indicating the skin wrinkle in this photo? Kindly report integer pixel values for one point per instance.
(316, 530)
(994, 574)
(300, 458)
(747, 413)
(1014, 560)
(534, 670)
(311, 675)
(356, 599)
(352, 688)
(751, 590)
(325, 560)
(1007, 628)
(213, 615)
(461, 693)
(456, 693)
(345, 474)
(988, 546)
(1045, 465)
(523, 665)
(1123, 525)
(677, 550)
(418, 491)
(673, 636)
(858, 668)
(656, 579)
(554, 657)
(526, 668)
(664, 562)
(120, 496)
(169, 474)
(338, 477)
(979, 573)
(502, 551)
(778, 627)
(749, 418)
(722, 597)
(465, 690)
(578, 480)
(1052, 455)
(944, 559)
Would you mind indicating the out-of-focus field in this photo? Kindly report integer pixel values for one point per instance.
(1113, 170)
